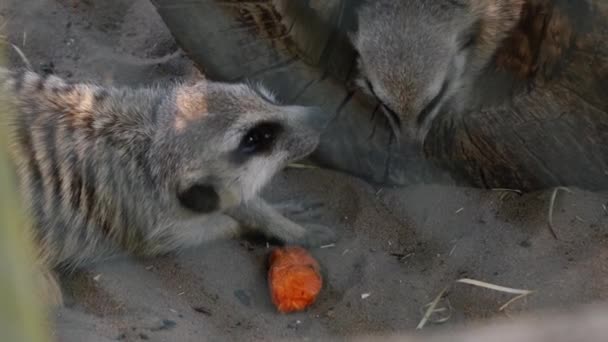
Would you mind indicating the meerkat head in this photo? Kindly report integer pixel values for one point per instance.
(225, 142)
(415, 54)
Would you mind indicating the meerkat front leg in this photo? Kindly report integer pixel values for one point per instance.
(193, 233)
(258, 215)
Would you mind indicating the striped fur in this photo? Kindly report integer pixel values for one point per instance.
(76, 158)
(101, 168)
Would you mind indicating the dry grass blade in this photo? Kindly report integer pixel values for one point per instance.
(519, 292)
(446, 311)
(551, 206)
(22, 55)
(519, 192)
(493, 286)
(432, 306)
(431, 309)
(505, 192)
(512, 300)
(302, 166)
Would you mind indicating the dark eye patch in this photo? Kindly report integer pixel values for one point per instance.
(200, 198)
(426, 111)
(260, 138)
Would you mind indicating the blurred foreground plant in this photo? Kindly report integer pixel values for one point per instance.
(22, 318)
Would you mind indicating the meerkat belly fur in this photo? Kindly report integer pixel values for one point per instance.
(150, 170)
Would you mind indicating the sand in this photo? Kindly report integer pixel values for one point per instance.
(398, 248)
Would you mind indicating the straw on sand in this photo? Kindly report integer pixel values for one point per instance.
(551, 206)
(433, 305)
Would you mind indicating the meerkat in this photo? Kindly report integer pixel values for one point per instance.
(416, 55)
(150, 171)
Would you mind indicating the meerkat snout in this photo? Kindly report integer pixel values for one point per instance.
(235, 138)
(245, 138)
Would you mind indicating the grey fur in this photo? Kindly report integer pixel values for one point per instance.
(408, 49)
(102, 169)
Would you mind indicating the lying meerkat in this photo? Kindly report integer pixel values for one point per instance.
(152, 170)
(416, 55)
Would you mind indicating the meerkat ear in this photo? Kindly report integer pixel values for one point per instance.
(200, 198)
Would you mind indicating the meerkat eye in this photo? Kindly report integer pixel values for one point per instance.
(260, 138)
(391, 115)
(426, 111)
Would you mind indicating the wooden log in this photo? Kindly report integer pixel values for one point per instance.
(542, 114)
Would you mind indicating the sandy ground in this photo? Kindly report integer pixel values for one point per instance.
(398, 248)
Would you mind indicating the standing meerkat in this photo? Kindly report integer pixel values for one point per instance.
(152, 170)
(417, 55)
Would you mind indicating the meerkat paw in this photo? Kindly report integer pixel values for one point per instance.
(317, 235)
(300, 210)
